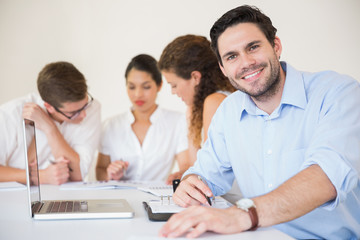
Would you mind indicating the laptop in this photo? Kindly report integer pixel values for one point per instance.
(63, 209)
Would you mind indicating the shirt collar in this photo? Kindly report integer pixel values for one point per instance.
(294, 90)
(293, 94)
(156, 115)
(153, 118)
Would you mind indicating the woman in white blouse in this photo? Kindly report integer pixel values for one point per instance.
(142, 143)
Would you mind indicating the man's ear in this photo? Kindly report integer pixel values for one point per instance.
(196, 75)
(277, 46)
(49, 108)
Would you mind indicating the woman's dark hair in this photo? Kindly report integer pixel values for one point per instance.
(146, 63)
(242, 14)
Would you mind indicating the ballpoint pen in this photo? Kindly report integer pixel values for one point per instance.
(207, 198)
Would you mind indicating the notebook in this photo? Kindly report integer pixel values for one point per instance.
(63, 209)
(162, 209)
(157, 190)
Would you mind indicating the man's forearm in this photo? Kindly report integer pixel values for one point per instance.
(8, 174)
(60, 148)
(299, 195)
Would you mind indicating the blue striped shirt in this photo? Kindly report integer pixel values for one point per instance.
(317, 122)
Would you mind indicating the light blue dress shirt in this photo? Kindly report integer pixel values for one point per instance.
(317, 122)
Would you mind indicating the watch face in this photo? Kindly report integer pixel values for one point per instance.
(245, 203)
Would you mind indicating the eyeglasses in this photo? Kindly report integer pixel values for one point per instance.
(76, 113)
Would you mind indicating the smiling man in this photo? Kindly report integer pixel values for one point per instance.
(67, 121)
(290, 138)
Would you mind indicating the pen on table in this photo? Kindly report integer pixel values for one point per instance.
(52, 161)
(207, 198)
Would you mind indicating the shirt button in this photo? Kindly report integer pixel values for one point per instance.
(269, 151)
(270, 185)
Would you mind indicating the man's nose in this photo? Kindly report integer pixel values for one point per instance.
(246, 60)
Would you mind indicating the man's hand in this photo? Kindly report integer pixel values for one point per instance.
(191, 191)
(34, 112)
(57, 173)
(116, 170)
(196, 220)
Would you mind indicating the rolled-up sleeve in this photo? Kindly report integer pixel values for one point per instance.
(335, 146)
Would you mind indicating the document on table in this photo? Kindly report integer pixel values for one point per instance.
(166, 205)
(163, 208)
(11, 186)
(99, 185)
(157, 188)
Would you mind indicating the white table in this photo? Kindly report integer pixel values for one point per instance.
(15, 222)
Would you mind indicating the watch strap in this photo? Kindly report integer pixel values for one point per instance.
(254, 218)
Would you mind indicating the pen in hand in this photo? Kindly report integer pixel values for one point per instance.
(207, 198)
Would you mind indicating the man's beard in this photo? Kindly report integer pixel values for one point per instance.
(264, 91)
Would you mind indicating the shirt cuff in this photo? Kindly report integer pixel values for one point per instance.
(342, 177)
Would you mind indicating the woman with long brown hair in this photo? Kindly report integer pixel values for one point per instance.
(191, 68)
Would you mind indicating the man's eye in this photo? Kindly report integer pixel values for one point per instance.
(252, 48)
(173, 86)
(131, 87)
(231, 57)
(147, 87)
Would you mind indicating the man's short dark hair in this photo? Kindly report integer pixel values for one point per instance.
(61, 82)
(242, 14)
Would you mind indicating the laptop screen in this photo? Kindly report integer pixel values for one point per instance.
(32, 171)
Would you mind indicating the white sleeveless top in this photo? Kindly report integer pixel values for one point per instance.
(226, 93)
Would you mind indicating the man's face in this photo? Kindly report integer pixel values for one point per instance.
(249, 61)
(74, 110)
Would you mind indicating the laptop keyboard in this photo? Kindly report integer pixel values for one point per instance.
(67, 206)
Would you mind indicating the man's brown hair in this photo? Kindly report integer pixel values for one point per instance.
(61, 82)
(242, 14)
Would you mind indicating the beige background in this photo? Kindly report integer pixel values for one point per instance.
(101, 36)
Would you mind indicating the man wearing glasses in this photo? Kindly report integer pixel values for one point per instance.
(67, 121)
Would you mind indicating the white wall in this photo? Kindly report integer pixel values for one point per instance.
(101, 36)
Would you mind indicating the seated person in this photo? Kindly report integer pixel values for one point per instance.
(290, 138)
(142, 143)
(191, 68)
(68, 126)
